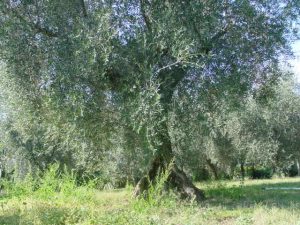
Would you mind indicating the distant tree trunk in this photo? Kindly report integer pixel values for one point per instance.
(252, 170)
(242, 170)
(298, 167)
(212, 168)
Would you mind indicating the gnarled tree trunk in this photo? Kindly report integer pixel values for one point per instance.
(176, 180)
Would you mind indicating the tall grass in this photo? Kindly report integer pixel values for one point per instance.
(55, 198)
(51, 184)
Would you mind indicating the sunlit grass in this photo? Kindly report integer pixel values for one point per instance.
(228, 202)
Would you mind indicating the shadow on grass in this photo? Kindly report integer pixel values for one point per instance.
(36, 215)
(253, 194)
(10, 219)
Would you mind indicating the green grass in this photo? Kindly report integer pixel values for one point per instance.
(227, 203)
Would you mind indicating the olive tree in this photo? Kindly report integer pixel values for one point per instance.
(102, 62)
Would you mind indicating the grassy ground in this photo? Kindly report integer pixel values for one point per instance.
(227, 203)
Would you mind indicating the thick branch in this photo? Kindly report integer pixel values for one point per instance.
(208, 48)
(169, 66)
(220, 34)
(43, 30)
(205, 50)
(34, 26)
(84, 11)
(145, 16)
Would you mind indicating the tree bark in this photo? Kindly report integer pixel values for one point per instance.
(176, 180)
(212, 168)
(298, 167)
(242, 171)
